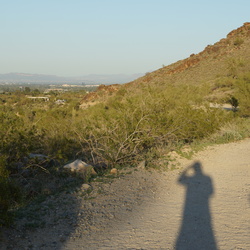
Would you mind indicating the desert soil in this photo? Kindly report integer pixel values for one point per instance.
(204, 203)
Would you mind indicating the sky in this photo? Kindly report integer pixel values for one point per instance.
(81, 37)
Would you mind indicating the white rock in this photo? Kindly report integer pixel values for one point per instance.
(86, 186)
(80, 167)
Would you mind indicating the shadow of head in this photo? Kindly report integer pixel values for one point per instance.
(197, 167)
(193, 170)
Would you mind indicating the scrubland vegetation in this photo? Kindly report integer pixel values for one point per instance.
(135, 124)
(139, 122)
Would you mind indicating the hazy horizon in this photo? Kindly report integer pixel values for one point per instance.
(17, 77)
(78, 38)
(70, 76)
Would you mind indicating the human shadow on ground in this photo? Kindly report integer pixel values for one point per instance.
(196, 231)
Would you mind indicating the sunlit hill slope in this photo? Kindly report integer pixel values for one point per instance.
(230, 56)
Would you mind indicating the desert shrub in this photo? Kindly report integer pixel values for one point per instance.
(234, 102)
(242, 93)
(16, 138)
(238, 41)
(224, 82)
(234, 66)
(58, 138)
(10, 194)
(126, 127)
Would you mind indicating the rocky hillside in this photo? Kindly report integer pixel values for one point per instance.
(219, 60)
(209, 64)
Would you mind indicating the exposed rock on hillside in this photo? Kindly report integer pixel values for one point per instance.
(243, 30)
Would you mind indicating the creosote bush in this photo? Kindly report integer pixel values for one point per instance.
(10, 194)
(127, 126)
(242, 94)
(238, 41)
(133, 125)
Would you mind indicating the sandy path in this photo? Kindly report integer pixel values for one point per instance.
(206, 210)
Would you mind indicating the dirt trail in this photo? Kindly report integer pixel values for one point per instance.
(159, 223)
(204, 204)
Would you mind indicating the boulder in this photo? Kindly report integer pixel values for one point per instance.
(80, 168)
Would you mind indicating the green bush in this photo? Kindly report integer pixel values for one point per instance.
(234, 102)
(243, 94)
(17, 138)
(10, 194)
(234, 66)
(126, 127)
(238, 41)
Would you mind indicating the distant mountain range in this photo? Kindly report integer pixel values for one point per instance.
(53, 79)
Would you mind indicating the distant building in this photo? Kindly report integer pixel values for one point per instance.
(60, 102)
(54, 90)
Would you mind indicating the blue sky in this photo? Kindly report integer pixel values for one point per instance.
(79, 37)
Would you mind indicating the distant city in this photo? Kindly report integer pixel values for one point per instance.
(93, 79)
